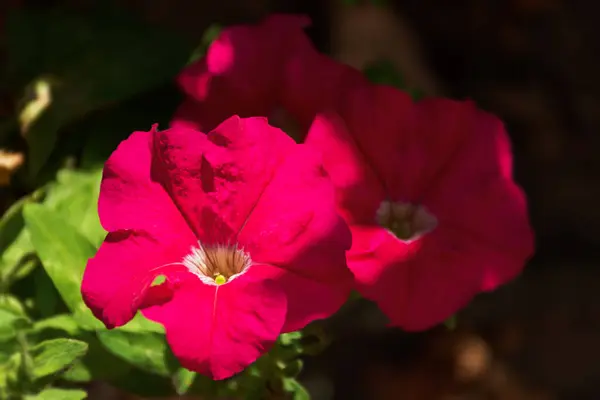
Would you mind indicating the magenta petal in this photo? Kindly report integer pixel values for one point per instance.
(359, 190)
(315, 83)
(489, 208)
(131, 200)
(441, 276)
(216, 179)
(421, 284)
(381, 121)
(295, 227)
(307, 299)
(220, 330)
(242, 71)
(116, 280)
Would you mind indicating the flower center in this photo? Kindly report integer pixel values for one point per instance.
(406, 221)
(217, 264)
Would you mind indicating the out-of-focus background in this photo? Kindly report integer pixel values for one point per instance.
(535, 64)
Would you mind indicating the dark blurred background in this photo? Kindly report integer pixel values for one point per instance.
(535, 64)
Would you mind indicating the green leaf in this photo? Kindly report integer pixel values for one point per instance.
(15, 245)
(46, 297)
(93, 60)
(62, 322)
(12, 317)
(97, 364)
(148, 351)
(12, 304)
(64, 253)
(53, 356)
(58, 394)
(289, 339)
(299, 392)
(10, 369)
(183, 380)
(10, 324)
(75, 197)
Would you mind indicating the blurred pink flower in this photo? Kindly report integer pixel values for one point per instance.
(270, 69)
(242, 224)
(428, 193)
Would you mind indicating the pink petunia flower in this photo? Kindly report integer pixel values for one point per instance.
(242, 224)
(428, 193)
(270, 69)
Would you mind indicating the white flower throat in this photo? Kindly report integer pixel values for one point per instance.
(405, 221)
(217, 264)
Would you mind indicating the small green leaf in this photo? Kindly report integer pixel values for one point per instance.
(12, 317)
(15, 244)
(209, 35)
(62, 322)
(183, 380)
(288, 339)
(148, 351)
(11, 303)
(292, 368)
(10, 369)
(58, 394)
(10, 324)
(295, 388)
(64, 253)
(55, 355)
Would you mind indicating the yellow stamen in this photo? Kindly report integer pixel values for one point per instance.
(220, 279)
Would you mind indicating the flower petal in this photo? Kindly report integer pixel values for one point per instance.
(474, 193)
(130, 198)
(216, 179)
(315, 83)
(382, 121)
(294, 226)
(220, 330)
(116, 280)
(376, 252)
(456, 161)
(359, 191)
(438, 276)
(308, 300)
(243, 68)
